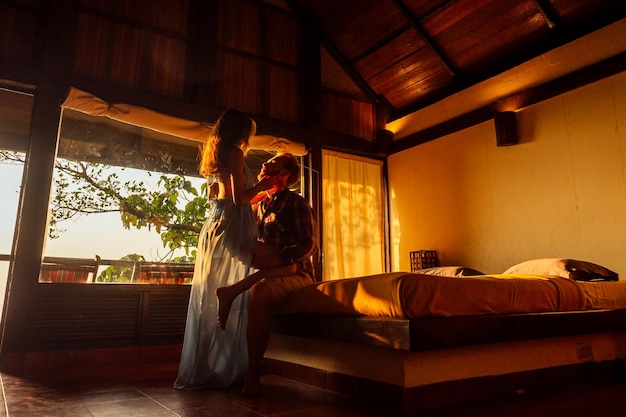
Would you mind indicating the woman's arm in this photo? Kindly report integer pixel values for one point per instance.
(234, 165)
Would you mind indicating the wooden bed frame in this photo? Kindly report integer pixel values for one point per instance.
(412, 364)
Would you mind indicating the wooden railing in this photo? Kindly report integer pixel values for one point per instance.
(111, 271)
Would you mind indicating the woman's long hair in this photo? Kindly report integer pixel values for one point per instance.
(233, 129)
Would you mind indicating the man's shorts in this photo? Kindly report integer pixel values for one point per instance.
(282, 286)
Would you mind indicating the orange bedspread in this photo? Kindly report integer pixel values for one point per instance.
(412, 295)
(604, 295)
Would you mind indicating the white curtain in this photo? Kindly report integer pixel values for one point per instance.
(353, 216)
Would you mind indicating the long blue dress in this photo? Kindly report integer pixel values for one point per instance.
(212, 357)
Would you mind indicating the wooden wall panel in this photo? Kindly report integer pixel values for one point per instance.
(348, 116)
(239, 26)
(77, 316)
(237, 84)
(92, 58)
(282, 37)
(126, 56)
(258, 60)
(284, 96)
(17, 34)
(67, 320)
(229, 53)
(143, 54)
(165, 58)
(167, 14)
(170, 15)
(165, 316)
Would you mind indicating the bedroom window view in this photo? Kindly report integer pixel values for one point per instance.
(124, 205)
(111, 224)
(127, 204)
(126, 201)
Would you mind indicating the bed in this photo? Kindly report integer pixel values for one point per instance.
(420, 340)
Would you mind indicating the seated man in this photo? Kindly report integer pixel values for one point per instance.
(283, 257)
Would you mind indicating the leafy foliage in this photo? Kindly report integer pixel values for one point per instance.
(117, 274)
(174, 208)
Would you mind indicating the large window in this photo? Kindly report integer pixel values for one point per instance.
(118, 191)
(127, 202)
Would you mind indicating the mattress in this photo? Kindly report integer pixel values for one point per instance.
(413, 295)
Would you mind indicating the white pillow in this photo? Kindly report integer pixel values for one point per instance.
(567, 268)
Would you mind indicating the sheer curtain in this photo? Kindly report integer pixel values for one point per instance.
(353, 216)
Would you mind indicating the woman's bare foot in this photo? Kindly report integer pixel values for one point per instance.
(225, 300)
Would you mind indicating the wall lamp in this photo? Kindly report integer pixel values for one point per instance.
(506, 128)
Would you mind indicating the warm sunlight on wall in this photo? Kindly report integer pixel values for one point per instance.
(561, 192)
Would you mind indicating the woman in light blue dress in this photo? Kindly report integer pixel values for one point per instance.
(212, 357)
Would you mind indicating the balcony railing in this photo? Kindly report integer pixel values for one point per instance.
(111, 271)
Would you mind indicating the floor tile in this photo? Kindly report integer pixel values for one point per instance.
(139, 407)
(148, 392)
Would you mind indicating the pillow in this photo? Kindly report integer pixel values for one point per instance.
(450, 271)
(567, 268)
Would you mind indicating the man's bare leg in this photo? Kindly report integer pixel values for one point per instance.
(258, 334)
(226, 295)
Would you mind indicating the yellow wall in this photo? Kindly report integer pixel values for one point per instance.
(561, 192)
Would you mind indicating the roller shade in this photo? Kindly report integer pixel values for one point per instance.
(139, 116)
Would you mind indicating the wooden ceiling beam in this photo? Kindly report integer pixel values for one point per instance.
(429, 42)
(334, 52)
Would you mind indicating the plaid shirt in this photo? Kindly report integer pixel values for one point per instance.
(286, 222)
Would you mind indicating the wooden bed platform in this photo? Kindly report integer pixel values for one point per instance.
(412, 364)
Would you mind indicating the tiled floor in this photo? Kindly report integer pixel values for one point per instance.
(147, 392)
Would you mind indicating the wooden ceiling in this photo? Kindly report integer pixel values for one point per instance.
(404, 55)
(394, 73)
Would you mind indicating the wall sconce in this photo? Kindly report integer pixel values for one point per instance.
(506, 128)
